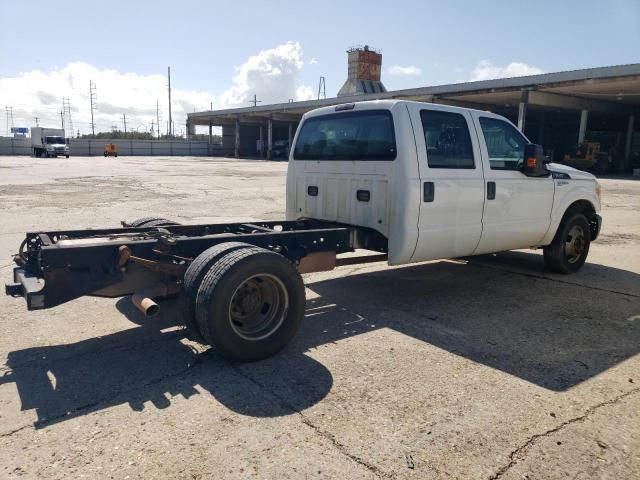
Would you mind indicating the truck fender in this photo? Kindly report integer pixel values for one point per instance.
(578, 199)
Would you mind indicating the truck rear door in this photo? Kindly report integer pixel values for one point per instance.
(452, 197)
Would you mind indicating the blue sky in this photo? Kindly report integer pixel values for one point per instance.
(205, 43)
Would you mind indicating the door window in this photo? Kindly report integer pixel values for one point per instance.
(505, 144)
(446, 136)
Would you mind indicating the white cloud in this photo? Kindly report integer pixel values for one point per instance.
(305, 92)
(485, 70)
(411, 70)
(271, 75)
(39, 94)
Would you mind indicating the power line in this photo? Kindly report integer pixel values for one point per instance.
(9, 111)
(169, 85)
(92, 96)
(158, 115)
(255, 100)
(66, 106)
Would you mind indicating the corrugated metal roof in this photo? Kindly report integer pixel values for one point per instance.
(545, 79)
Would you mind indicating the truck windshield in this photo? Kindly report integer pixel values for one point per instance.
(55, 140)
(365, 135)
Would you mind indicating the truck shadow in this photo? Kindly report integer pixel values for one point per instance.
(546, 331)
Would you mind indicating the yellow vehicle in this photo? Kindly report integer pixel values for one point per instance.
(584, 156)
(110, 150)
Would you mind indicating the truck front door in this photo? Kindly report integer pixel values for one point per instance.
(517, 209)
(450, 219)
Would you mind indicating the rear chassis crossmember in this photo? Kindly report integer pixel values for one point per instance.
(59, 266)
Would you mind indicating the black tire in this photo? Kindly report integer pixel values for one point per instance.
(250, 304)
(105, 154)
(192, 279)
(67, 156)
(570, 247)
(151, 222)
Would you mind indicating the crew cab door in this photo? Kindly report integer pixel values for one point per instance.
(450, 218)
(517, 208)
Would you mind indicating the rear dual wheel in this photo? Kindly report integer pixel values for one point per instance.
(249, 304)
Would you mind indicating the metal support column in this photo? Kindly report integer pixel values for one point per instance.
(584, 116)
(237, 149)
(269, 139)
(522, 113)
(522, 109)
(209, 147)
(261, 141)
(628, 140)
(290, 135)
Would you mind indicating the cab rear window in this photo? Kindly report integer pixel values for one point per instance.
(365, 135)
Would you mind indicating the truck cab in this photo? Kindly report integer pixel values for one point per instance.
(438, 182)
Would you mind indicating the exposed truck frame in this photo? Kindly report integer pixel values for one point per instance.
(59, 266)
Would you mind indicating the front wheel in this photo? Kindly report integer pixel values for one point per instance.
(250, 304)
(569, 249)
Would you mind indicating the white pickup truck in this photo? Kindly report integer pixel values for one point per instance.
(440, 182)
(409, 181)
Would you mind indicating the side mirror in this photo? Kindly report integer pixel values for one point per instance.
(534, 161)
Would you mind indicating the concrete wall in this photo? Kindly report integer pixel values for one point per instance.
(15, 146)
(87, 147)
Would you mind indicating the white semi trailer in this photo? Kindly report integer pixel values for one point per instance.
(48, 142)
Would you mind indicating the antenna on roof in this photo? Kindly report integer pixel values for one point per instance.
(322, 88)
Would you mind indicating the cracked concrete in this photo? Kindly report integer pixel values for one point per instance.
(519, 453)
(478, 368)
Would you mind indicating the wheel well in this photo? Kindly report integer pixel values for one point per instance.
(586, 208)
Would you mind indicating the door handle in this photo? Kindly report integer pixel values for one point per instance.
(491, 190)
(429, 191)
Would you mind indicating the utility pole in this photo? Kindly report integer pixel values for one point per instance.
(158, 115)
(66, 106)
(62, 119)
(211, 107)
(124, 119)
(255, 100)
(152, 127)
(36, 119)
(9, 111)
(170, 122)
(92, 96)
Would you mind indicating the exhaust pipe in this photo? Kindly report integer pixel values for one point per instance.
(143, 300)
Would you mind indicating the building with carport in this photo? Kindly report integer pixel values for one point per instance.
(557, 110)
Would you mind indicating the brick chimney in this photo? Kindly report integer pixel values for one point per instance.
(363, 76)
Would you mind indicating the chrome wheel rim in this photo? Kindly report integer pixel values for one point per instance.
(575, 244)
(258, 307)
